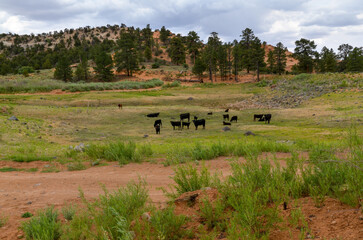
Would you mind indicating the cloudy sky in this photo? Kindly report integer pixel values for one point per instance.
(327, 22)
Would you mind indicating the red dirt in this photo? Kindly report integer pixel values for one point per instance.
(22, 192)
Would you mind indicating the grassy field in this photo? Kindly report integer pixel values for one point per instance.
(326, 125)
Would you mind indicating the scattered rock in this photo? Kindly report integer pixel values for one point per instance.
(225, 129)
(13, 118)
(206, 188)
(145, 136)
(249, 133)
(311, 216)
(36, 185)
(190, 98)
(23, 123)
(334, 222)
(30, 202)
(146, 216)
(314, 114)
(80, 147)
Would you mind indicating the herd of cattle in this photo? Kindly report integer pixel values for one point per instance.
(201, 122)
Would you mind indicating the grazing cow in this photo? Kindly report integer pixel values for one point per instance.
(226, 116)
(120, 106)
(185, 116)
(200, 122)
(226, 123)
(259, 116)
(157, 128)
(158, 122)
(267, 118)
(227, 110)
(153, 115)
(175, 124)
(234, 118)
(210, 113)
(185, 124)
(195, 118)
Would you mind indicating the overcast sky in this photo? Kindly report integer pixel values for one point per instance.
(327, 22)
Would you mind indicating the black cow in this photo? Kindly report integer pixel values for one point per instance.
(152, 115)
(234, 118)
(227, 110)
(226, 123)
(210, 113)
(200, 122)
(259, 116)
(226, 116)
(267, 118)
(185, 124)
(195, 118)
(157, 128)
(175, 124)
(158, 122)
(185, 116)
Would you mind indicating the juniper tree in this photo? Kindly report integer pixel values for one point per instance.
(127, 58)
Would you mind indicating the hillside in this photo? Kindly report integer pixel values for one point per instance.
(41, 51)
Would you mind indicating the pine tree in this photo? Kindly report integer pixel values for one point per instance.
(199, 68)
(236, 52)
(355, 60)
(193, 45)
(210, 54)
(176, 50)
(104, 66)
(128, 57)
(271, 65)
(164, 34)
(280, 58)
(63, 70)
(246, 49)
(304, 53)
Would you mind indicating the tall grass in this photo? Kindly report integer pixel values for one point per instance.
(32, 85)
(119, 151)
(43, 226)
(209, 150)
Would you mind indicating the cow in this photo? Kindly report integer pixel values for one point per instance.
(185, 124)
(234, 118)
(226, 123)
(175, 124)
(184, 116)
(195, 118)
(120, 106)
(200, 122)
(259, 116)
(226, 116)
(158, 122)
(210, 113)
(267, 118)
(227, 110)
(157, 128)
(153, 115)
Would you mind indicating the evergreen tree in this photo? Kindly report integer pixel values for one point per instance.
(199, 68)
(63, 70)
(210, 54)
(193, 45)
(355, 60)
(304, 53)
(246, 49)
(176, 50)
(327, 60)
(257, 55)
(103, 66)
(222, 60)
(127, 58)
(271, 65)
(164, 34)
(148, 53)
(280, 58)
(237, 56)
(344, 51)
(82, 71)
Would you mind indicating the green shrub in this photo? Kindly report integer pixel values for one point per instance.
(167, 225)
(43, 226)
(188, 179)
(27, 215)
(69, 212)
(76, 166)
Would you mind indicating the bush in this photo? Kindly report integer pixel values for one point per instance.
(43, 226)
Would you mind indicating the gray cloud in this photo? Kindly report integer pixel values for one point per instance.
(272, 21)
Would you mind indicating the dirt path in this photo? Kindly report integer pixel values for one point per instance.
(22, 192)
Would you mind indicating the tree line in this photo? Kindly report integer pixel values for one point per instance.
(133, 46)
